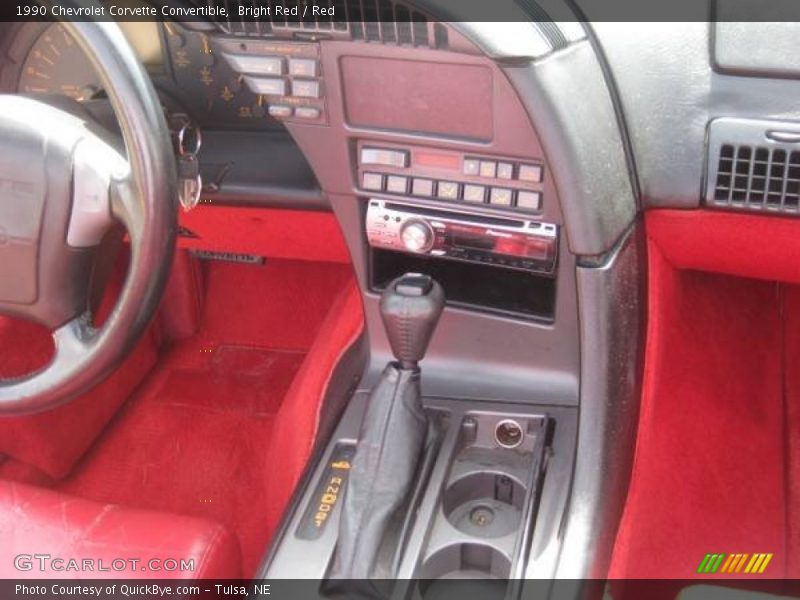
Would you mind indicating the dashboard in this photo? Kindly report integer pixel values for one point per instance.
(421, 73)
(474, 108)
(307, 100)
(487, 119)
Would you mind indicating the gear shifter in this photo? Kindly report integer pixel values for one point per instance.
(410, 308)
(394, 428)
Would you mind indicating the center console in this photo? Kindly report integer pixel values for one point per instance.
(417, 492)
(433, 166)
(491, 482)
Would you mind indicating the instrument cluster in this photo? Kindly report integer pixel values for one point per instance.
(186, 67)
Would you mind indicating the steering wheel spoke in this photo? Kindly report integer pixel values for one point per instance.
(95, 165)
(126, 206)
(74, 338)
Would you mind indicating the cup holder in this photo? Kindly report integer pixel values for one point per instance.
(467, 561)
(484, 505)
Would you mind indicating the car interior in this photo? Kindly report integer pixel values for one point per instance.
(387, 297)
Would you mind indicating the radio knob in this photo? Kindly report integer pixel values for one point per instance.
(417, 236)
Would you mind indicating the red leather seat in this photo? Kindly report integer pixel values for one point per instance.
(80, 538)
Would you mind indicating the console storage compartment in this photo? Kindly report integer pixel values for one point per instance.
(493, 488)
(484, 287)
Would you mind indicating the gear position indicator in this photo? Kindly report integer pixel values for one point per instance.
(328, 493)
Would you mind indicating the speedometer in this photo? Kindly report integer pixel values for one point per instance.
(56, 65)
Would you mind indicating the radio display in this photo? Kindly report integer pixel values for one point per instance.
(500, 242)
(470, 240)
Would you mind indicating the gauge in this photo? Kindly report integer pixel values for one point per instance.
(56, 65)
(194, 75)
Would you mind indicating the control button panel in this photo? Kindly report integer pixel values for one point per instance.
(501, 196)
(530, 173)
(474, 193)
(503, 183)
(505, 170)
(447, 190)
(287, 76)
(529, 200)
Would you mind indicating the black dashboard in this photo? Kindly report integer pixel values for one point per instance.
(664, 82)
(554, 124)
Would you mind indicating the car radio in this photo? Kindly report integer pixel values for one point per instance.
(512, 243)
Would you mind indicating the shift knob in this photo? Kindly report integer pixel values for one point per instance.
(410, 308)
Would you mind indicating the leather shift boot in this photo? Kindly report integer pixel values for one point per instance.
(391, 442)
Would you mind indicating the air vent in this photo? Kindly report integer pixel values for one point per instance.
(390, 22)
(750, 170)
(382, 21)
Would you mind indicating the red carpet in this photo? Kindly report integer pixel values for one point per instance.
(715, 470)
(196, 437)
(195, 440)
(791, 311)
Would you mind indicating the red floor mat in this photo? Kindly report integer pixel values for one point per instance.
(195, 438)
(710, 466)
(237, 379)
(195, 441)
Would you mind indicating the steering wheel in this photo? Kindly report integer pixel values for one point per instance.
(62, 187)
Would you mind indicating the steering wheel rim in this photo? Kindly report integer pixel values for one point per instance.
(145, 200)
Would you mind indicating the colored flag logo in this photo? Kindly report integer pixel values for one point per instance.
(753, 564)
